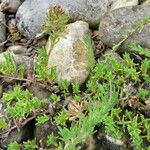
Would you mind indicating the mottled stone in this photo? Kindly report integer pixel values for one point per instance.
(69, 55)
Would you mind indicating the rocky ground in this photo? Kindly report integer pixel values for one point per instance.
(21, 34)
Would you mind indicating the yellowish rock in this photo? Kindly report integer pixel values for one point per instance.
(69, 55)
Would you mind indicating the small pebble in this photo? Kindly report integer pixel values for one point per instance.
(30, 50)
(17, 49)
(10, 6)
(1, 90)
(23, 40)
(29, 42)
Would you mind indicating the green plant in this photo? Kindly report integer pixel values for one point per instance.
(135, 132)
(14, 146)
(145, 67)
(21, 71)
(77, 98)
(3, 124)
(52, 74)
(42, 65)
(110, 98)
(76, 88)
(24, 103)
(56, 23)
(84, 128)
(42, 70)
(53, 97)
(143, 93)
(89, 51)
(111, 128)
(30, 145)
(61, 118)
(8, 65)
(138, 49)
(41, 120)
(64, 85)
(52, 140)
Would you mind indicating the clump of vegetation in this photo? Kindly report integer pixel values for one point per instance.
(107, 100)
(57, 20)
(89, 51)
(28, 145)
(42, 70)
(113, 97)
(8, 66)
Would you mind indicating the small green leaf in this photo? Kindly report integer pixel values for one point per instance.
(10, 68)
(52, 140)
(63, 84)
(52, 74)
(41, 120)
(76, 88)
(14, 146)
(3, 124)
(143, 93)
(30, 145)
(89, 51)
(61, 118)
(53, 97)
(21, 70)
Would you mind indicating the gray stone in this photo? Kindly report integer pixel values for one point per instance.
(123, 3)
(119, 21)
(31, 14)
(24, 134)
(38, 91)
(42, 131)
(1, 91)
(86, 10)
(69, 55)
(10, 6)
(17, 49)
(2, 28)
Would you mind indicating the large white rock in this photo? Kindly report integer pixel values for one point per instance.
(69, 55)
